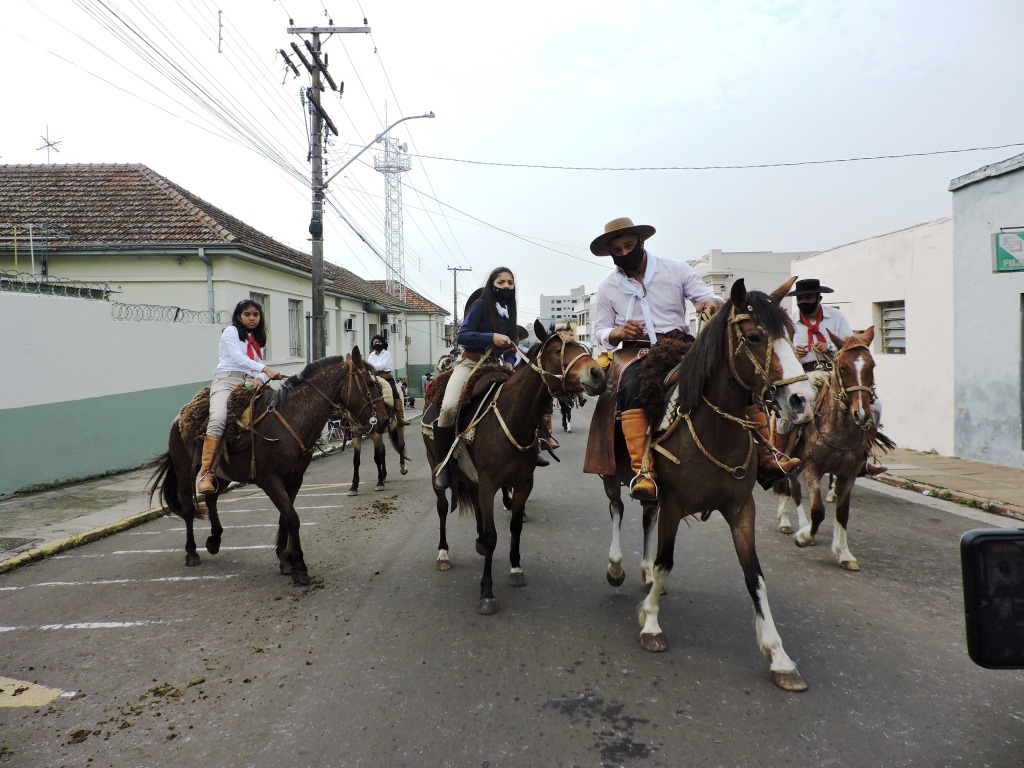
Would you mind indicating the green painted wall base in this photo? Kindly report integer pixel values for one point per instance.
(47, 445)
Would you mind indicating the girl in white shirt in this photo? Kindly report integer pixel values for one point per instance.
(241, 360)
(380, 359)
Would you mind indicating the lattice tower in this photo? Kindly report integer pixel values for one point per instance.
(393, 162)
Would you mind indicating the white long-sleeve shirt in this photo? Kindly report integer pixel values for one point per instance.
(234, 358)
(380, 360)
(668, 284)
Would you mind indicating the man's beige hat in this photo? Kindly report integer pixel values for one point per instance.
(616, 227)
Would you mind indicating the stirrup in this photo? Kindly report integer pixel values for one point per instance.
(645, 495)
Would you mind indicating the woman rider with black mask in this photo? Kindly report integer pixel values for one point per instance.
(491, 321)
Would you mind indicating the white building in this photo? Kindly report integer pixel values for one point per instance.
(560, 308)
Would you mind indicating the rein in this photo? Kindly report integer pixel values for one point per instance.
(769, 387)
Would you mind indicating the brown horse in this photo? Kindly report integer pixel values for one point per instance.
(504, 451)
(705, 457)
(397, 435)
(836, 442)
(285, 427)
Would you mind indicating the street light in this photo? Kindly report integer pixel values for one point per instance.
(316, 231)
(377, 140)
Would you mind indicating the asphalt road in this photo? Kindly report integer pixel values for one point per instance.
(383, 660)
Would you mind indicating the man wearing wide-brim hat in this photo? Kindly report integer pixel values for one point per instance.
(643, 299)
(812, 322)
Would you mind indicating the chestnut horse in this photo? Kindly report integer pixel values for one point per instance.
(504, 450)
(835, 442)
(285, 427)
(395, 433)
(705, 456)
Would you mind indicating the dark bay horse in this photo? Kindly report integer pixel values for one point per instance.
(706, 459)
(504, 450)
(835, 442)
(285, 427)
(395, 431)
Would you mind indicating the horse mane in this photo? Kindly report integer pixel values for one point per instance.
(311, 370)
(709, 351)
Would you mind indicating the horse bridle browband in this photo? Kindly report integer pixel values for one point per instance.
(766, 397)
(560, 377)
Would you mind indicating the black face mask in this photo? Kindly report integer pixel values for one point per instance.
(630, 261)
(378, 346)
(807, 308)
(504, 295)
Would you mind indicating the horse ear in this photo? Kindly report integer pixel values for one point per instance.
(837, 340)
(356, 357)
(782, 291)
(540, 330)
(869, 334)
(738, 293)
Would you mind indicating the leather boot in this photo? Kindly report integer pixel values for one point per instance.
(544, 433)
(443, 439)
(772, 466)
(870, 468)
(207, 480)
(634, 429)
(542, 460)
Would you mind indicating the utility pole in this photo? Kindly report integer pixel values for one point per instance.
(455, 299)
(317, 68)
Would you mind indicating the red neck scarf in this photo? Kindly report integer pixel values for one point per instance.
(812, 327)
(252, 348)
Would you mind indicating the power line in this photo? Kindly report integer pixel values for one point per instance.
(723, 167)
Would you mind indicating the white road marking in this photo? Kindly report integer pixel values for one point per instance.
(111, 582)
(158, 551)
(87, 625)
(204, 528)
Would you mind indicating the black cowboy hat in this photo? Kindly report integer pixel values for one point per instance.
(472, 300)
(521, 333)
(808, 287)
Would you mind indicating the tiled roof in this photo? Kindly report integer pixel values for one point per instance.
(413, 299)
(93, 206)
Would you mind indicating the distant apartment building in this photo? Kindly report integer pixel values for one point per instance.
(561, 309)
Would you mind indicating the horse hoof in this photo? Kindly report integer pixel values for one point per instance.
(353, 492)
(444, 565)
(517, 579)
(404, 470)
(616, 575)
(487, 606)
(850, 565)
(212, 545)
(300, 578)
(379, 487)
(786, 529)
(191, 560)
(653, 643)
(804, 542)
(789, 681)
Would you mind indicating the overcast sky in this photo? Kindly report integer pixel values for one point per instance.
(519, 88)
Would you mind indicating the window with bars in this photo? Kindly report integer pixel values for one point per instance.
(893, 322)
(294, 327)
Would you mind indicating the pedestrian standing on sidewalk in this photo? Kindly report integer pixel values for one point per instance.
(241, 350)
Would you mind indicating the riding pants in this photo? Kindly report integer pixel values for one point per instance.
(220, 389)
(453, 392)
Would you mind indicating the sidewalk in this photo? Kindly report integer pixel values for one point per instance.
(34, 526)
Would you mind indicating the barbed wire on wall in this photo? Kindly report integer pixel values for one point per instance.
(23, 282)
(163, 314)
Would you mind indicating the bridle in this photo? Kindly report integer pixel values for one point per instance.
(363, 387)
(558, 377)
(765, 397)
(841, 394)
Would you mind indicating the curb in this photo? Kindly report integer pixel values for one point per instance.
(959, 497)
(51, 548)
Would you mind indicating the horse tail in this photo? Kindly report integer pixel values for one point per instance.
(397, 436)
(165, 481)
(467, 498)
